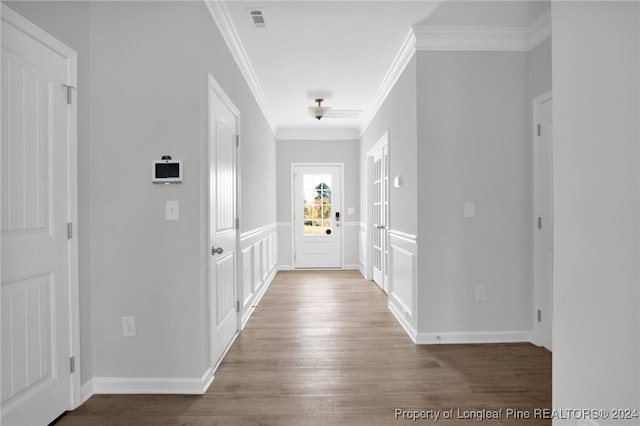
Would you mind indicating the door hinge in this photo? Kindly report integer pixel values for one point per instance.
(539, 315)
(69, 95)
(69, 230)
(237, 223)
(539, 223)
(72, 364)
(237, 306)
(237, 140)
(539, 130)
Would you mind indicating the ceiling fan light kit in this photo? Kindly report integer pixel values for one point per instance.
(319, 111)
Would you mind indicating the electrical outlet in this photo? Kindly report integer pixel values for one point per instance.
(129, 326)
(481, 293)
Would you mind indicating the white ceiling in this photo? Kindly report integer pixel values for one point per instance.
(341, 51)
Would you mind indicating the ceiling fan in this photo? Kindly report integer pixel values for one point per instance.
(320, 111)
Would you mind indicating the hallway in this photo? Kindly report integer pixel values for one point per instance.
(322, 349)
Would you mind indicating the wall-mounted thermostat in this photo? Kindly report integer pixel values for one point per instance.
(166, 170)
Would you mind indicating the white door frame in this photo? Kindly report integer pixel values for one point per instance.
(382, 142)
(217, 89)
(539, 333)
(293, 207)
(10, 17)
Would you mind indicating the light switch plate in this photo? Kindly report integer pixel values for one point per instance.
(469, 209)
(172, 210)
(129, 326)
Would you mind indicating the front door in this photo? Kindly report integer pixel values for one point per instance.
(317, 216)
(38, 258)
(223, 148)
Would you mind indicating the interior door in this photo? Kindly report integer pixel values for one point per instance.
(380, 204)
(37, 259)
(543, 233)
(223, 148)
(317, 216)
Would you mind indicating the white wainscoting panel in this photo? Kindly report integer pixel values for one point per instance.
(403, 280)
(363, 250)
(259, 249)
(247, 274)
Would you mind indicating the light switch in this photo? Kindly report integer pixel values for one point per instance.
(172, 211)
(469, 209)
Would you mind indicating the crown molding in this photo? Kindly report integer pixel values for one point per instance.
(539, 30)
(400, 62)
(325, 133)
(225, 25)
(513, 39)
(471, 38)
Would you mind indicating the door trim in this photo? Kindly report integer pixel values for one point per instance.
(293, 208)
(382, 142)
(213, 86)
(10, 17)
(537, 332)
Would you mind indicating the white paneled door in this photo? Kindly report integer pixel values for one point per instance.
(38, 202)
(223, 149)
(317, 216)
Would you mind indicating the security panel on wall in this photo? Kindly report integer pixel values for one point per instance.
(166, 170)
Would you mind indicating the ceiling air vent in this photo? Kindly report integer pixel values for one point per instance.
(257, 18)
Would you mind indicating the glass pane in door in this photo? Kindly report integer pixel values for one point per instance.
(317, 204)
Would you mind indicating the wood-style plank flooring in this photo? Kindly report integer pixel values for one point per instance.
(322, 349)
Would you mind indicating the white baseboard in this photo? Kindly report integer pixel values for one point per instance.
(285, 267)
(87, 391)
(462, 337)
(148, 385)
(403, 321)
(344, 267)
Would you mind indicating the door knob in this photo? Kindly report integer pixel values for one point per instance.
(216, 250)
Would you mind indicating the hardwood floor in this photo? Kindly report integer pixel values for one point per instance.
(322, 349)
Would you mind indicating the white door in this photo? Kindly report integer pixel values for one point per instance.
(380, 211)
(223, 149)
(317, 216)
(543, 226)
(38, 258)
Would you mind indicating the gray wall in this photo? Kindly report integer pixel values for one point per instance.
(596, 336)
(398, 116)
(316, 151)
(143, 77)
(473, 132)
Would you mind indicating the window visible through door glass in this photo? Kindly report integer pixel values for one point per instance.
(317, 204)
